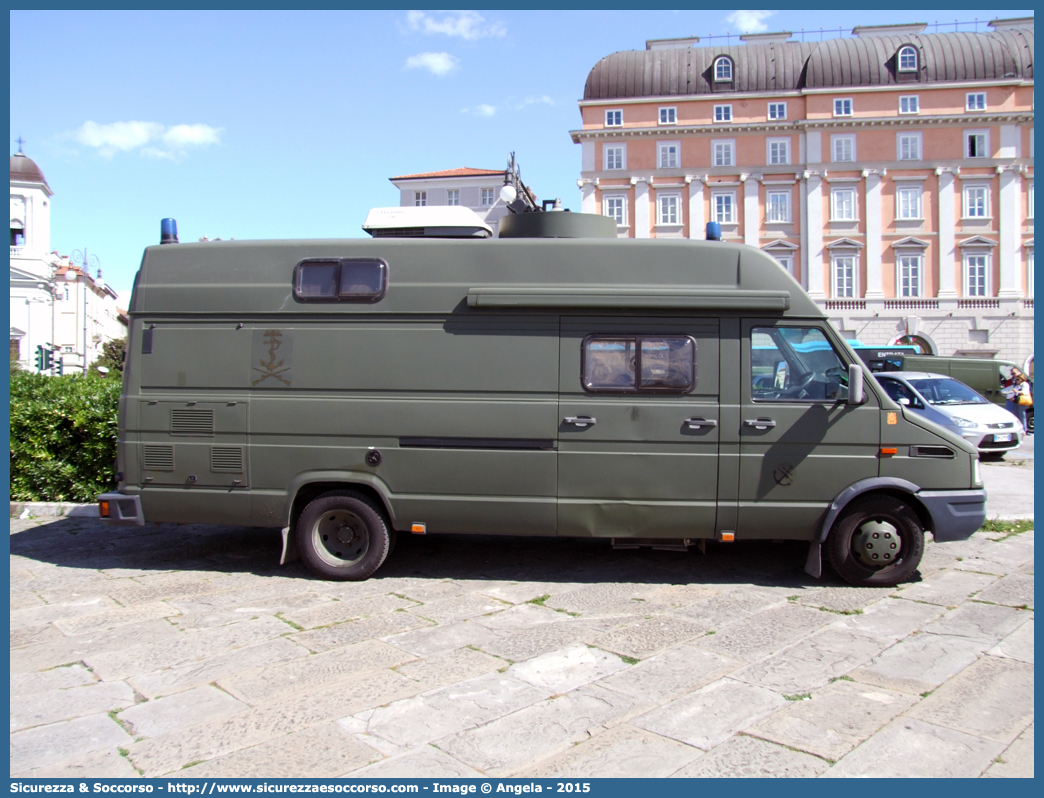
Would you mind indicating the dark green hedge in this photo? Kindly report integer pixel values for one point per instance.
(63, 437)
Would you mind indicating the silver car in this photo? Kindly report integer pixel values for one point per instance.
(953, 404)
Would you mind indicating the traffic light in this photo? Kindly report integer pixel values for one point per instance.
(61, 367)
(48, 359)
(39, 358)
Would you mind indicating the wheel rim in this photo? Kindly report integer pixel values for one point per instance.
(341, 537)
(877, 543)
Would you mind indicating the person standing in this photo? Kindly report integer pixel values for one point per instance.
(1014, 389)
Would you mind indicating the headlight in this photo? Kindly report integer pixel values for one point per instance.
(976, 476)
(963, 422)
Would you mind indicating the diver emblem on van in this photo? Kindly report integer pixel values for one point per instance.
(272, 358)
(784, 476)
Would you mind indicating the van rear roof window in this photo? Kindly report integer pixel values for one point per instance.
(340, 280)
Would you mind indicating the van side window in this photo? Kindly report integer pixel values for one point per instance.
(632, 363)
(791, 364)
(340, 280)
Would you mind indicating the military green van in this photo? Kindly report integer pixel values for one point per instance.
(553, 381)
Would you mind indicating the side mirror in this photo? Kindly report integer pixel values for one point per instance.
(904, 401)
(855, 384)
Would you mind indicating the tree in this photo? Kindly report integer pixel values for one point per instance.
(111, 357)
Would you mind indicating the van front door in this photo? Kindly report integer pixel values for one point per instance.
(800, 443)
(638, 427)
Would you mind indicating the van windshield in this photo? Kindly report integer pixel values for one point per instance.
(946, 391)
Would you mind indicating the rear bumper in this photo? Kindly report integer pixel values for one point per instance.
(122, 510)
(956, 514)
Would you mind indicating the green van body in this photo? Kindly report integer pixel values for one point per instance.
(454, 401)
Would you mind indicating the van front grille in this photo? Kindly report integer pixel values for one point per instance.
(192, 422)
(228, 459)
(158, 458)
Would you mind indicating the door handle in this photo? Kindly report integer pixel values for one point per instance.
(580, 421)
(760, 423)
(696, 423)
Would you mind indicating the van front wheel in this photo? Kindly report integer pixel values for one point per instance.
(342, 536)
(877, 542)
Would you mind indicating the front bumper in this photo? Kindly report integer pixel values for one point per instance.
(956, 514)
(116, 509)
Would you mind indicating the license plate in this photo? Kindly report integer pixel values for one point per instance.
(1002, 437)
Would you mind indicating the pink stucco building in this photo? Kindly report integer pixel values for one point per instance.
(890, 172)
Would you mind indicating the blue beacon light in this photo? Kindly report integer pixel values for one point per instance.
(713, 231)
(168, 231)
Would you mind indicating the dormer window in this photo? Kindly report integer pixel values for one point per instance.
(723, 69)
(907, 59)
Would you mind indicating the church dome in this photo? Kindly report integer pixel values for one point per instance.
(25, 170)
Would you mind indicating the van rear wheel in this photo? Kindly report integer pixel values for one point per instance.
(342, 536)
(877, 542)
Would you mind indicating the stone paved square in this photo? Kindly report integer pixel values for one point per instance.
(186, 650)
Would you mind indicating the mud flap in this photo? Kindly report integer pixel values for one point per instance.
(289, 547)
(814, 563)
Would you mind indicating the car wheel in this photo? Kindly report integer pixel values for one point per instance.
(342, 535)
(877, 542)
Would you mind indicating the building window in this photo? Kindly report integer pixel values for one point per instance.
(453, 196)
(667, 155)
(614, 157)
(487, 197)
(843, 107)
(909, 277)
(976, 272)
(669, 207)
(668, 116)
(778, 206)
(778, 151)
(722, 113)
(843, 205)
(907, 59)
(844, 276)
(910, 104)
(908, 146)
(1029, 202)
(908, 202)
(1029, 275)
(787, 262)
(976, 144)
(842, 148)
(976, 202)
(615, 208)
(976, 101)
(724, 153)
(420, 198)
(66, 293)
(723, 68)
(777, 111)
(613, 118)
(723, 207)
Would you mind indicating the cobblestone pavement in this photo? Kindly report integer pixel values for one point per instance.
(187, 650)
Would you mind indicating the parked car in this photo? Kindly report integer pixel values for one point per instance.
(944, 400)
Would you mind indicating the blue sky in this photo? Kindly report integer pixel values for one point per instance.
(289, 124)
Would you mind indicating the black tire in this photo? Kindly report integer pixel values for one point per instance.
(877, 542)
(342, 536)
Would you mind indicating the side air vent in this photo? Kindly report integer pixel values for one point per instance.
(226, 459)
(158, 458)
(192, 422)
(938, 452)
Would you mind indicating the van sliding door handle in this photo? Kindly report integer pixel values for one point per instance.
(696, 423)
(760, 423)
(580, 421)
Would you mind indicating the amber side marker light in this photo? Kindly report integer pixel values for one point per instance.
(103, 509)
(419, 529)
(728, 537)
(888, 451)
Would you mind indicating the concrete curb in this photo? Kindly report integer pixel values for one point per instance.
(52, 509)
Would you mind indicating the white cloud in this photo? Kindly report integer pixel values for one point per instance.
(436, 63)
(750, 21)
(468, 25)
(480, 110)
(542, 99)
(152, 139)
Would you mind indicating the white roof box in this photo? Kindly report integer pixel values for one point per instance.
(437, 221)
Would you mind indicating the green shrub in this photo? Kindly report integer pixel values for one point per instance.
(63, 437)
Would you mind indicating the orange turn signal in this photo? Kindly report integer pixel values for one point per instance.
(888, 451)
(103, 509)
(728, 537)
(419, 529)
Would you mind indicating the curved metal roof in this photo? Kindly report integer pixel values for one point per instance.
(25, 170)
(790, 66)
